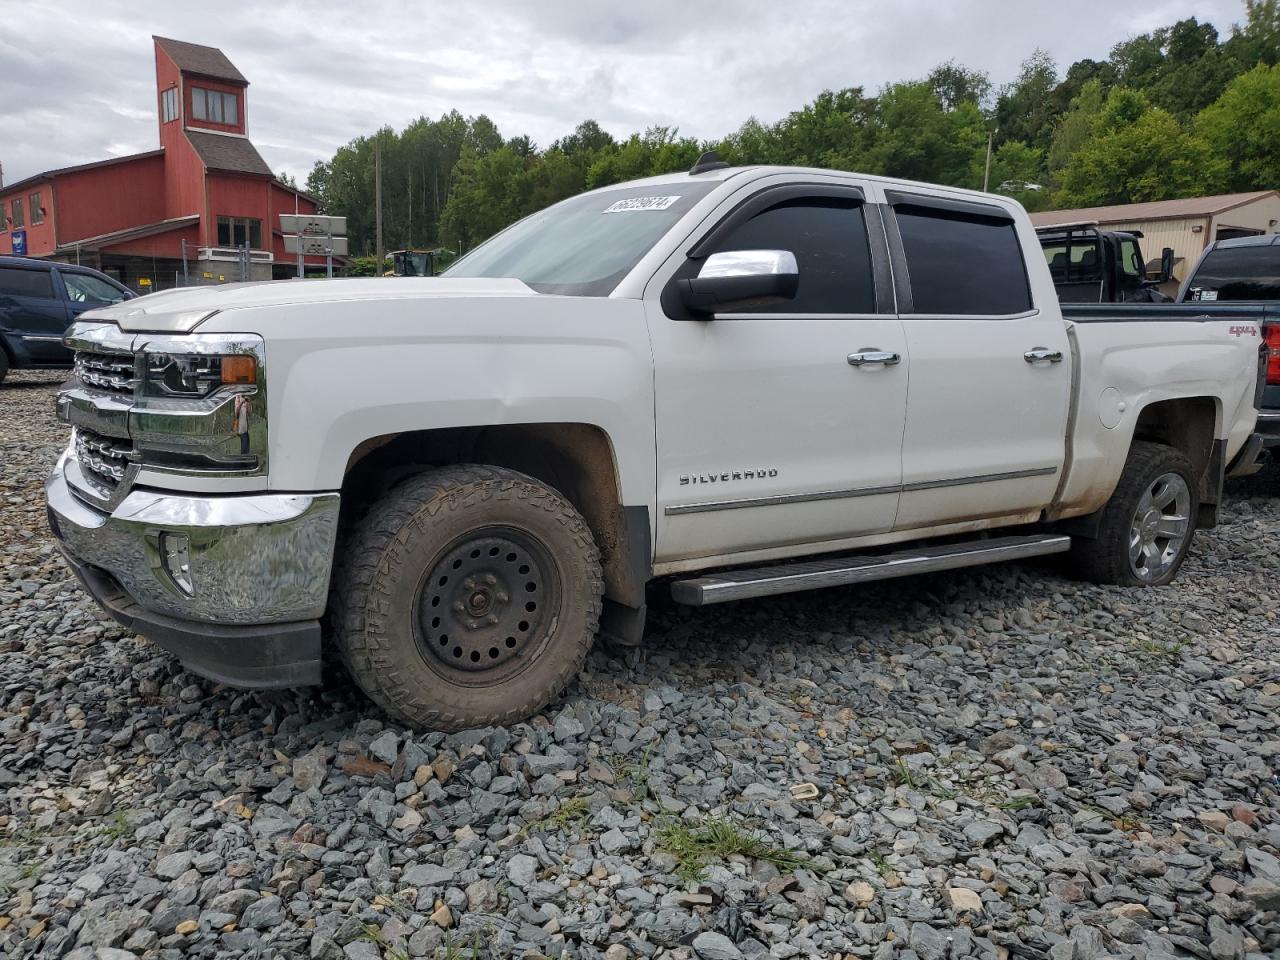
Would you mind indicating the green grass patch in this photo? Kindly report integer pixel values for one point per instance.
(696, 846)
(1017, 803)
(571, 813)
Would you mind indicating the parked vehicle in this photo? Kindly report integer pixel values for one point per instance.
(1089, 265)
(38, 301)
(737, 382)
(1246, 270)
(412, 263)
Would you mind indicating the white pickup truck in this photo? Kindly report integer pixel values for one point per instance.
(738, 382)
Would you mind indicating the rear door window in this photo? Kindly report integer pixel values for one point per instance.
(962, 264)
(16, 282)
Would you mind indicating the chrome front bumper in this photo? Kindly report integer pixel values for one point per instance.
(252, 559)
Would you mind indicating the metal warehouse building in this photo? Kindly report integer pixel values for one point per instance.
(1188, 226)
(204, 192)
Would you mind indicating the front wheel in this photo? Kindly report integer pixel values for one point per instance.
(468, 597)
(1147, 525)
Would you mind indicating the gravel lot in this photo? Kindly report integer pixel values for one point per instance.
(1005, 763)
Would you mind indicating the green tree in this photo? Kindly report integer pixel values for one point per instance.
(953, 85)
(1243, 129)
(1258, 41)
(1076, 125)
(1137, 152)
(657, 150)
(914, 137)
(1026, 109)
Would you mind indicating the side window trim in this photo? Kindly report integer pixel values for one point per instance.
(770, 197)
(898, 255)
(883, 296)
(986, 211)
(60, 291)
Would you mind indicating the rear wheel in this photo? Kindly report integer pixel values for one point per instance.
(1147, 525)
(4, 364)
(468, 597)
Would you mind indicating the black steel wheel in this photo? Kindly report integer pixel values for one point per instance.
(468, 597)
(483, 608)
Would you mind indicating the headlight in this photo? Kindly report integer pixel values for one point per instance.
(202, 404)
(196, 376)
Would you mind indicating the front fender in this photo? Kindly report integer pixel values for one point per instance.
(347, 372)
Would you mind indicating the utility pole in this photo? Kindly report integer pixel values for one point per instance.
(302, 271)
(377, 202)
(986, 173)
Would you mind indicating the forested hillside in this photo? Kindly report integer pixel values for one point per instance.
(1177, 112)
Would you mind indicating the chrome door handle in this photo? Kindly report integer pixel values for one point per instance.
(864, 357)
(1036, 354)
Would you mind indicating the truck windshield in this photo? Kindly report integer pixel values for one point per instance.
(1238, 273)
(585, 245)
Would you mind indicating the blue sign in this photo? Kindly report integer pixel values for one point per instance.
(19, 240)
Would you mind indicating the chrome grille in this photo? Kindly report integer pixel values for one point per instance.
(112, 372)
(106, 459)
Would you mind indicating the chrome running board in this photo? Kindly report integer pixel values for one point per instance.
(839, 571)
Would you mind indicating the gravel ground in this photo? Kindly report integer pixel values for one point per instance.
(992, 763)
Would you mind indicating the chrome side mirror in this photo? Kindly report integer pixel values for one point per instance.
(749, 263)
(741, 279)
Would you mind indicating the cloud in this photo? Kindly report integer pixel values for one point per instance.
(78, 82)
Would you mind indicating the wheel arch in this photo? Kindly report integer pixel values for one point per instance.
(576, 459)
(1190, 425)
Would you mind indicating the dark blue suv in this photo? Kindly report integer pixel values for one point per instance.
(39, 299)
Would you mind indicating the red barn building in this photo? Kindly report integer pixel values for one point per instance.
(206, 190)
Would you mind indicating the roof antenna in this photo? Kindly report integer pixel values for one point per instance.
(708, 161)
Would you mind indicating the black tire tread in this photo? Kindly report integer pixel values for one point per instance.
(362, 556)
(1104, 559)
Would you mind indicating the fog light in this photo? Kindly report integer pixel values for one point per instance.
(175, 553)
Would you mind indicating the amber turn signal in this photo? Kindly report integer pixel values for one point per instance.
(239, 370)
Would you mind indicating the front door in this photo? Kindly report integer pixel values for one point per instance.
(769, 436)
(990, 375)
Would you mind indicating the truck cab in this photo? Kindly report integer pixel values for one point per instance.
(1089, 265)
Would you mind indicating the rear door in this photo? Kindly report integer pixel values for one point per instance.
(33, 316)
(990, 373)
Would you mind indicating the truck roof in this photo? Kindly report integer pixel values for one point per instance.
(763, 170)
(1262, 240)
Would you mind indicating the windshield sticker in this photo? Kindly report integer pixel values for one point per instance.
(1206, 294)
(640, 203)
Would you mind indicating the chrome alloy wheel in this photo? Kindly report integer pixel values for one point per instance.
(1160, 528)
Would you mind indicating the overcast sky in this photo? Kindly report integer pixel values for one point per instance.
(77, 79)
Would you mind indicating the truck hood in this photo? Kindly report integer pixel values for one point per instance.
(182, 310)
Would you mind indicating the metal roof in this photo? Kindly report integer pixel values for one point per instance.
(1153, 210)
(230, 154)
(129, 233)
(195, 58)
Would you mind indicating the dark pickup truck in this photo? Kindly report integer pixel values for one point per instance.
(1243, 274)
(1089, 265)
